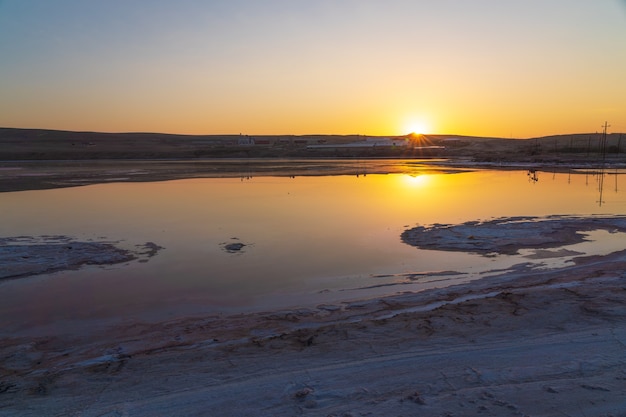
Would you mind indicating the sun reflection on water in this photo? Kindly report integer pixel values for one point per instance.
(416, 180)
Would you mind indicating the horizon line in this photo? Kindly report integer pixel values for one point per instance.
(302, 134)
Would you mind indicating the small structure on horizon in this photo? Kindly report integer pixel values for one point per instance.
(367, 143)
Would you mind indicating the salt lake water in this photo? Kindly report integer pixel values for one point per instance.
(308, 239)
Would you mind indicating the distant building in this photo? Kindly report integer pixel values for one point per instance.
(367, 143)
(245, 140)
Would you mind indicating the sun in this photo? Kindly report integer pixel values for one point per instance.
(418, 126)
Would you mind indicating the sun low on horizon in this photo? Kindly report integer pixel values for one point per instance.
(417, 125)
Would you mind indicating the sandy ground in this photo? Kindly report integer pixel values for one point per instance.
(522, 343)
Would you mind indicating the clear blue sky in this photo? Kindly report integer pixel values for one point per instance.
(484, 67)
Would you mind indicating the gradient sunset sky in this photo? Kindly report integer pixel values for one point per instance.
(502, 68)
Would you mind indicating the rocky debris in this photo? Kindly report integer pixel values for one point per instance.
(233, 247)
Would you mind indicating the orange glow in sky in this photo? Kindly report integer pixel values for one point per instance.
(486, 67)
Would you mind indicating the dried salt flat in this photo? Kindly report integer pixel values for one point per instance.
(509, 235)
(24, 256)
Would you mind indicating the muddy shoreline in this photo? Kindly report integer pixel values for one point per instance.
(40, 175)
(37, 175)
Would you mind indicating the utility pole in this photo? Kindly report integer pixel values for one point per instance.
(606, 125)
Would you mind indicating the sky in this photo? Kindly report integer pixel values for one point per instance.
(504, 68)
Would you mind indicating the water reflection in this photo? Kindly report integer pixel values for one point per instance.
(598, 175)
(602, 174)
(600, 186)
(308, 239)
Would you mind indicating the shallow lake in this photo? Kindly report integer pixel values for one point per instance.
(308, 240)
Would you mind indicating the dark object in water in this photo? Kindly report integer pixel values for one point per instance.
(234, 247)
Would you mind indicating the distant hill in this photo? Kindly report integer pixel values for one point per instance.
(41, 144)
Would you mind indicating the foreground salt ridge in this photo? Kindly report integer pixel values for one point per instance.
(520, 343)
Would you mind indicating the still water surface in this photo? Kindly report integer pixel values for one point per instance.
(309, 239)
